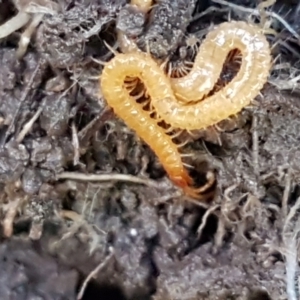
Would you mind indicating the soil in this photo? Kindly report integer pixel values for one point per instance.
(77, 238)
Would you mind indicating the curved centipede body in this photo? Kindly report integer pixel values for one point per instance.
(231, 99)
(125, 106)
(212, 54)
(163, 91)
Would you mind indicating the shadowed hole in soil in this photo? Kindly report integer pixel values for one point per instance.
(207, 233)
(259, 295)
(96, 291)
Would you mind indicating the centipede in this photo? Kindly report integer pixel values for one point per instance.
(185, 103)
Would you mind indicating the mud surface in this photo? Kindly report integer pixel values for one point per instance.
(76, 238)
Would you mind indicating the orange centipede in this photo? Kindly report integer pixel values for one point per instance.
(188, 114)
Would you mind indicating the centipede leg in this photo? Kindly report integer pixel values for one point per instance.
(182, 144)
(99, 62)
(139, 95)
(144, 105)
(188, 166)
(177, 134)
(164, 64)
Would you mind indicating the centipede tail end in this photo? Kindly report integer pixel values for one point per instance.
(185, 182)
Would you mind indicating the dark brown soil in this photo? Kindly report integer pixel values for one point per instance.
(142, 241)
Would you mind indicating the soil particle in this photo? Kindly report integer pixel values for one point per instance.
(61, 39)
(31, 181)
(53, 117)
(218, 276)
(11, 70)
(131, 21)
(27, 274)
(13, 160)
(167, 25)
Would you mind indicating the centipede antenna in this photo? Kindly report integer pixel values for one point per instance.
(98, 61)
(109, 47)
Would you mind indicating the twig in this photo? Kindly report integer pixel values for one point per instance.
(15, 23)
(72, 215)
(26, 35)
(204, 219)
(106, 177)
(12, 210)
(23, 98)
(220, 233)
(290, 234)
(208, 11)
(75, 143)
(85, 133)
(28, 126)
(291, 262)
(36, 229)
(93, 274)
(255, 144)
(288, 84)
(286, 193)
(257, 13)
